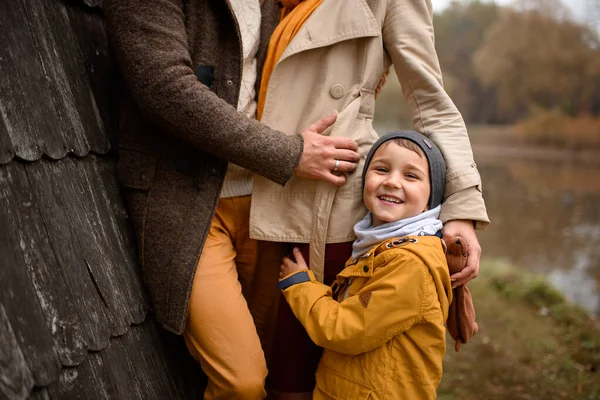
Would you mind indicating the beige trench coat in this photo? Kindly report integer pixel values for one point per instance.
(335, 62)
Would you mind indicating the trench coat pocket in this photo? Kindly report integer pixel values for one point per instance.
(136, 169)
(339, 387)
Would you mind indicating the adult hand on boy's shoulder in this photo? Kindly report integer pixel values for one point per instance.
(289, 266)
(466, 230)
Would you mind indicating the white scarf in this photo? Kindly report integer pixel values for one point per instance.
(367, 235)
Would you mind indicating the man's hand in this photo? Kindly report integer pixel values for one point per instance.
(327, 158)
(466, 230)
(289, 267)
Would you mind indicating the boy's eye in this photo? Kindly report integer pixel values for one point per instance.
(412, 176)
(381, 169)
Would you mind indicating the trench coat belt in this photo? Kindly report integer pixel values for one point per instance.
(367, 103)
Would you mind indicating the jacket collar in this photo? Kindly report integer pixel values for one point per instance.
(364, 264)
(333, 22)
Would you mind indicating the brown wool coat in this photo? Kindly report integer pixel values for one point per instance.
(182, 62)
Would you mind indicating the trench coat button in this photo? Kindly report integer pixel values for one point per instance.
(366, 268)
(229, 82)
(337, 91)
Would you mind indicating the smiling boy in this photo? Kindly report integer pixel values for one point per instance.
(381, 323)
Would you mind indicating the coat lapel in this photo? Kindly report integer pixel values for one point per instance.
(332, 22)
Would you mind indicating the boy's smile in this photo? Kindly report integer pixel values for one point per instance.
(396, 184)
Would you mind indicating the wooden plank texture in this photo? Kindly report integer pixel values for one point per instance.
(17, 381)
(18, 296)
(69, 267)
(60, 193)
(74, 313)
(47, 105)
(101, 70)
(138, 365)
(27, 227)
(181, 376)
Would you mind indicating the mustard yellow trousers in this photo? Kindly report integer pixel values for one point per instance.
(233, 305)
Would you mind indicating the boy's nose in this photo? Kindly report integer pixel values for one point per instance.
(393, 181)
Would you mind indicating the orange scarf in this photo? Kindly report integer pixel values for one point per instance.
(293, 15)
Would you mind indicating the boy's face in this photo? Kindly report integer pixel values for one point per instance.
(396, 184)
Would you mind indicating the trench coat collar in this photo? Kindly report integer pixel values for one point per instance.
(332, 22)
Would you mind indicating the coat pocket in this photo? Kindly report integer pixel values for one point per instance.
(339, 387)
(136, 169)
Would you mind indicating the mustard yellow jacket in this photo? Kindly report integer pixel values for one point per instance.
(382, 323)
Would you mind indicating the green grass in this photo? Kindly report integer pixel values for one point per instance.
(531, 344)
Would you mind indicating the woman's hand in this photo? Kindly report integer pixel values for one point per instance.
(466, 230)
(289, 267)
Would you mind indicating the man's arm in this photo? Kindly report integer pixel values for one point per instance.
(150, 41)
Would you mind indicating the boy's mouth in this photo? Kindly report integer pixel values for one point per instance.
(390, 199)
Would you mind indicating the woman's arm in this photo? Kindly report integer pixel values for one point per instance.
(409, 40)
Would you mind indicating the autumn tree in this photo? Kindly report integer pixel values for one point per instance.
(537, 57)
(460, 30)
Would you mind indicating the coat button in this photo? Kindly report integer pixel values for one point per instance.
(337, 91)
(229, 82)
(366, 268)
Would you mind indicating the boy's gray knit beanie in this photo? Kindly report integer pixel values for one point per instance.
(437, 165)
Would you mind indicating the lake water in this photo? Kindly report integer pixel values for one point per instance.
(546, 218)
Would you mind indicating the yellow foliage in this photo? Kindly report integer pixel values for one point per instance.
(535, 59)
(553, 128)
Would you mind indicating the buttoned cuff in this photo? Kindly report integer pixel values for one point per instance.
(466, 204)
(295, 278)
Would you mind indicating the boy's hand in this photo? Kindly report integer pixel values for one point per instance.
(289, 266)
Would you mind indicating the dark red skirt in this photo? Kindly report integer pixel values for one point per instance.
(294, 357)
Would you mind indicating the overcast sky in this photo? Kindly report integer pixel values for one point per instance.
(578, 7)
